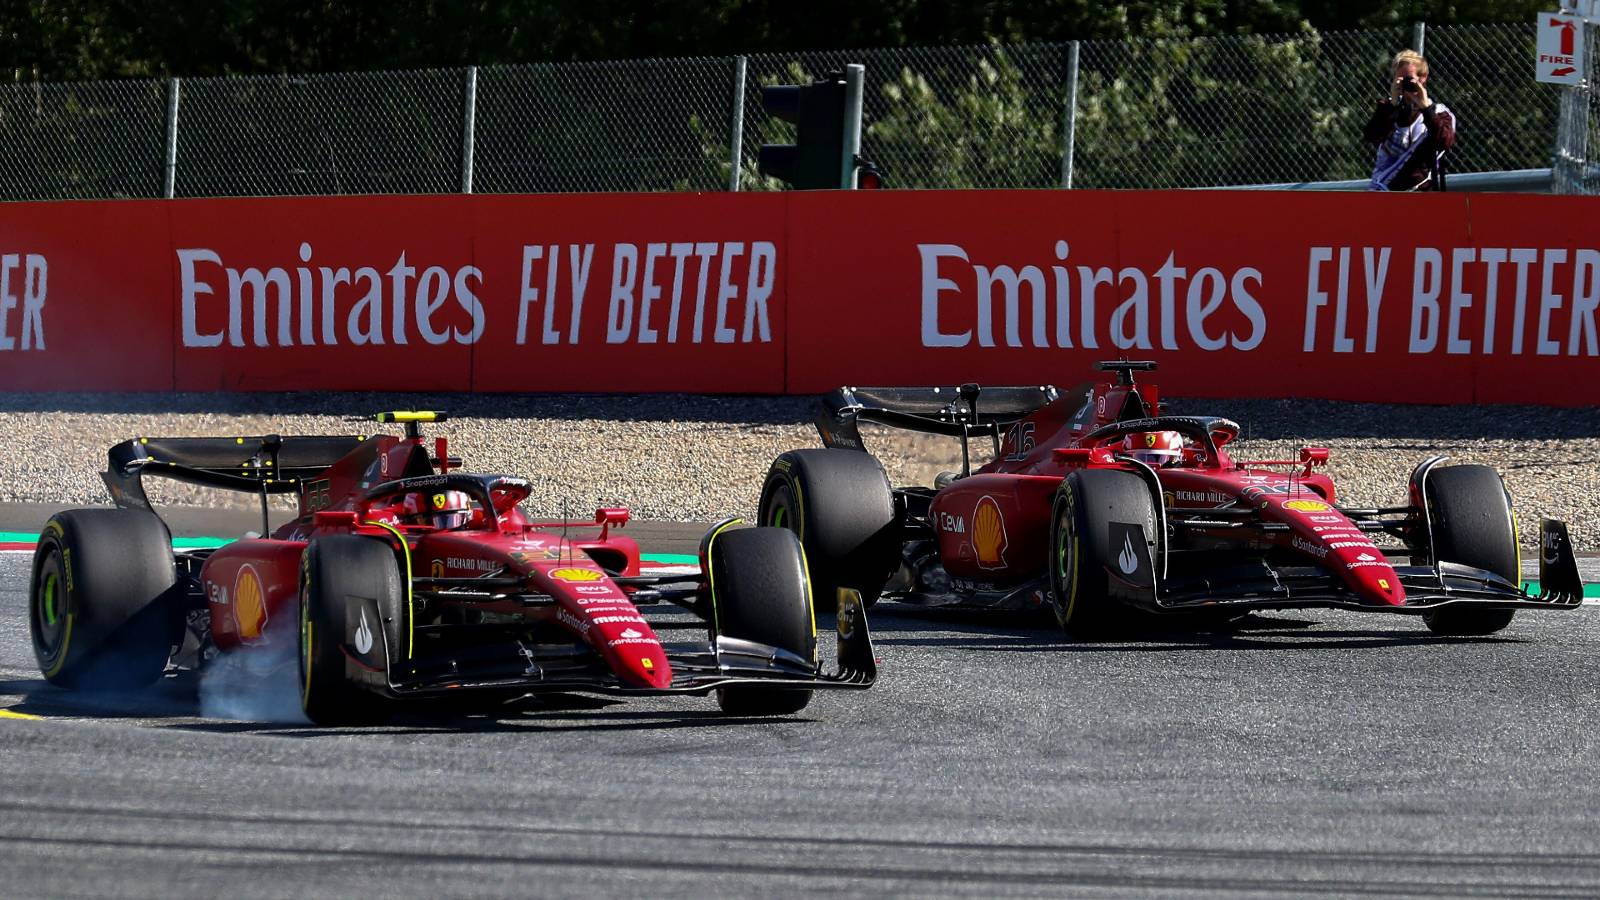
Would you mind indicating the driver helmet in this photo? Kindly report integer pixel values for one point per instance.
(441, 509)
(1154, 448)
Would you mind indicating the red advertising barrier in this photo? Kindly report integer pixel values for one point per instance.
(655, 292)
(85, 297)
(1426, 298)
(1412, 298)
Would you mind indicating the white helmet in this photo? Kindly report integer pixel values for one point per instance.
(1154, 448)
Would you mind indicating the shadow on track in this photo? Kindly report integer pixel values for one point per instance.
(176, 697)
(525, 721)
(1018, 632)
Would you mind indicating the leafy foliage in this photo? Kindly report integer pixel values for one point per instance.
(54, 40)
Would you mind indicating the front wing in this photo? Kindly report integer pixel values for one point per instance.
(1427, 588)
(724, 662)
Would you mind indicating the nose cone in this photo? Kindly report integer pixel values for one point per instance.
(1369, 574)
(1328, 537)
(643, 665)
(594, 607)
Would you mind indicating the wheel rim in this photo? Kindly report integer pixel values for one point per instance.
(1065, 561)
(305, 650)
(49, 608)
(52, 623)
(778, 513)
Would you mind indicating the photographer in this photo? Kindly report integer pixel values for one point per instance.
(1410, 130)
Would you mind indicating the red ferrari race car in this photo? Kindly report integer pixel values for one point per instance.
(1097, 505)
(404, 577)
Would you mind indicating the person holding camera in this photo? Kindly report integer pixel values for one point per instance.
(1411, 131)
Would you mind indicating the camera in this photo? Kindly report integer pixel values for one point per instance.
(1408, 85)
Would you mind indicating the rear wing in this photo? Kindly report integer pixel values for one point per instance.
(960, 412)
(269, 464)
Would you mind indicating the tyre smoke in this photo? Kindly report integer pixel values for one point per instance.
(258, 682)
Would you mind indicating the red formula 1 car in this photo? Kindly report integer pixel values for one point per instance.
(1097, 504)
(404, 577)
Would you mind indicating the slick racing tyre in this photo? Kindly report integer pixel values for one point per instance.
(839, 503)
(1091, 505)
(759, 592)
(354, 626)
(101, 604)
(1470, 516)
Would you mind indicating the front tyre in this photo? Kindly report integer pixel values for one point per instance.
(100, 602)
(840, 505)
(760, 593)
(1469, 514)
(1087, 506)
(353, 627)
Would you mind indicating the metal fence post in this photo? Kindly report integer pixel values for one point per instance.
(1069, 124)
(855, 80)
(736, 150)
(1572, 142)
(469, 119)
(169, 183)
(1419, 37)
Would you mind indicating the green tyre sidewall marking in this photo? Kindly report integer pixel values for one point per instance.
(50, 616)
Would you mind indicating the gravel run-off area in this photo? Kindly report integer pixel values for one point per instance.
(697, 458)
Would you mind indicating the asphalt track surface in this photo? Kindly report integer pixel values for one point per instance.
(1308, 753)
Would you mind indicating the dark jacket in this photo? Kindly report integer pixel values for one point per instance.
(1410, 158)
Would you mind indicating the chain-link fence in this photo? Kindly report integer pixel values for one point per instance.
(1095, 114)
(650, 125)
(1576, 171)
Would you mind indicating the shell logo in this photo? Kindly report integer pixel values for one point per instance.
(249, 604)
(576, 575)
(989, 534)
(1307, 506)
(436, 568)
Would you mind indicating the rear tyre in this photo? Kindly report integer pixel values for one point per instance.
(353, 628)
(1470, 516)
(760, 593)
(840, 505)
(1082, 592)
(102, 608)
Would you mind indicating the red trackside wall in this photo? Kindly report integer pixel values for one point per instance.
(1429, 298)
